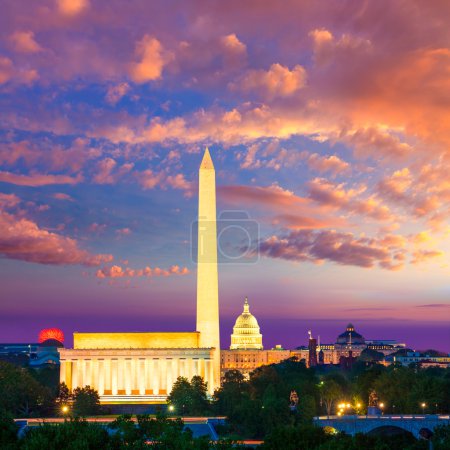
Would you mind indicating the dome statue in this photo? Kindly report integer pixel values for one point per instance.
(246, 333)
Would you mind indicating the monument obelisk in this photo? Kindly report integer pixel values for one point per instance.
(207, 273)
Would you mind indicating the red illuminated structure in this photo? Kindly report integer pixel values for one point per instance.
(51, 334)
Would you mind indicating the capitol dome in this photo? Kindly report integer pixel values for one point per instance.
(350, 336)
(246, 333)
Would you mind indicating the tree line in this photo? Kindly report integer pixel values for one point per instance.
(257, 407)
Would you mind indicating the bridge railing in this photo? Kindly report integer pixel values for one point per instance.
(386, 417)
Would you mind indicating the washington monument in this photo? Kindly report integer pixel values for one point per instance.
(207, 276)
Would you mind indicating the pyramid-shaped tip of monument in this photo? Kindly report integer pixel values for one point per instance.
(207, 161)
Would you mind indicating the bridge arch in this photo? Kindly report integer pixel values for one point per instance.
(390, 430)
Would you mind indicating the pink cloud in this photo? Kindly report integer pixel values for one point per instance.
(8, 200)
(330, 163)
(24, 42)
(117, 271)
(341, 248)
(37, 179)
(116, 92)
(62, 196)
(123, 232)
(336, 196)
(97, 227)
(152, 60)
(6, 69)
(22, 239)
(104, 171)
(278, 81)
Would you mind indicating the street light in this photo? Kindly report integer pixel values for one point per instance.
(65, 409)
(171, 408)
(423, 405)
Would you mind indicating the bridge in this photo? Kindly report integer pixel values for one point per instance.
(367, 424)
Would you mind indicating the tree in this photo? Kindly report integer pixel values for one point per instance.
(74, 434)
(371, 355)
(86, 401)
(64, 395)
(20, 393)
(200, 403)
(189, 397)
(330, 392)
(441, 437)
(8, 430)
(228, 396)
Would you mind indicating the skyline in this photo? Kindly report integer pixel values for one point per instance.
(331, 135)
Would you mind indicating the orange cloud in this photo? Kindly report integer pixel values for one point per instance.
(116, 271)
(152, 60)
(330, 163)
(278, 81)
(24, 42)
(72, 7)
(336, 196)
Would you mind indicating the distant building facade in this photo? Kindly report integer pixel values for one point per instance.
(37, 355)
(424, 360)
(247, 352)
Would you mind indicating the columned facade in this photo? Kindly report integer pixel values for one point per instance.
(134, 375)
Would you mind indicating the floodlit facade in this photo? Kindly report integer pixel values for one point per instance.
(142, 367)
(246, 332)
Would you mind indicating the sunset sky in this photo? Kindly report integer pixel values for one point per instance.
(328, 124)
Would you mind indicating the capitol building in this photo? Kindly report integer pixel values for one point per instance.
(247, 352)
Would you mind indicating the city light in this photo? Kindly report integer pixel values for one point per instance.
(171, 408)
(65, 409)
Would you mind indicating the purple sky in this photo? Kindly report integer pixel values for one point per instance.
(329, 132)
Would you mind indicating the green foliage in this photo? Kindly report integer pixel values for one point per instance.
(331, 392)
(189, 398)
(441, 437)
(21, 394)
(371, 355)
(76, 434)
(8, 431)
(86, 401)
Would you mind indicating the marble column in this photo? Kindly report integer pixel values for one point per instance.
(101, 376)
(114, 376)
(75, 364)
(141, 376)
(127, 376)
(155, 376)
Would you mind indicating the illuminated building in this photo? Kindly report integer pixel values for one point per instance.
(246, 350)
(246, 333)
(142, 367)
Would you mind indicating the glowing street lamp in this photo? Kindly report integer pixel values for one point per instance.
(423, 405)
(171, 408)
(65, 409)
